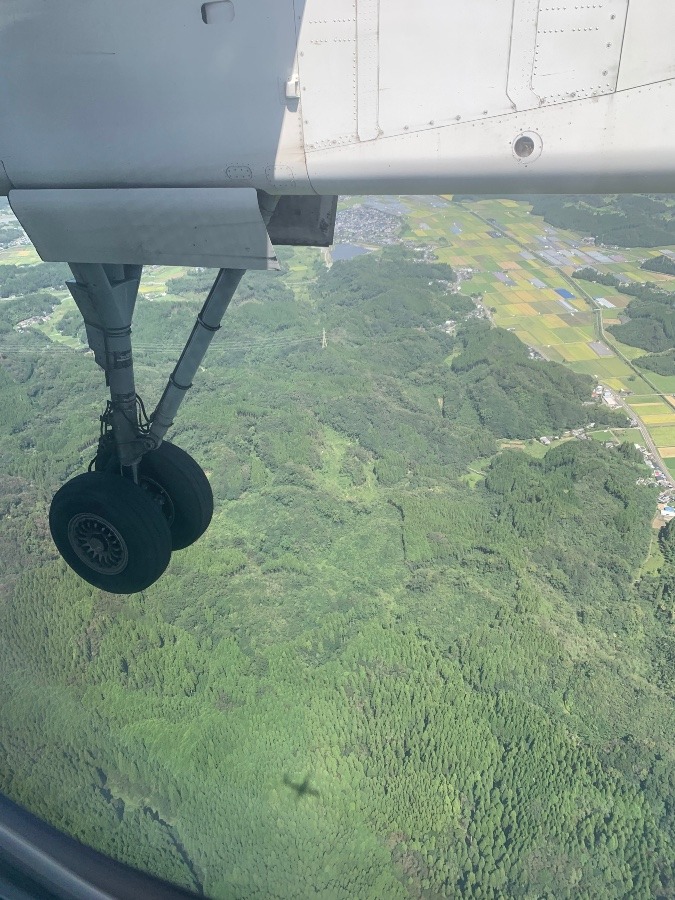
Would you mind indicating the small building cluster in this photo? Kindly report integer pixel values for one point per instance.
(424, 254)
(666, 510)
(25, 324)
(481, 311)
(606, 395)
(578, 433)
(365, 223)
(657, 476)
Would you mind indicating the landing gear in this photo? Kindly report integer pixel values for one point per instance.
(111, 532)
(117, 525)
(184, 489)
(177, 484)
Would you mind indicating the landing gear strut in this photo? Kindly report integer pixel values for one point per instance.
(143, 497)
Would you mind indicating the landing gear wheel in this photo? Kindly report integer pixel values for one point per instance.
(184, 492)
(110, 532)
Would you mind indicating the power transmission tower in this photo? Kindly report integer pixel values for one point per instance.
(324, 342)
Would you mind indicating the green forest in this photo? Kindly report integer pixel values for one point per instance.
(650, 318)
(621, 220)
(661, 263)
(651, 314)
(464, 647)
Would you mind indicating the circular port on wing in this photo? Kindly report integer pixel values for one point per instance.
(523, 147)
(527, 146)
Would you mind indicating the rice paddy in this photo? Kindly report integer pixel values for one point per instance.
(520, 267)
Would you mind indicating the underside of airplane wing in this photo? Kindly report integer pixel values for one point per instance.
(298, 97)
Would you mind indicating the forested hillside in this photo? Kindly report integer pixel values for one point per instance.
(651, 322)
(517, 397)
(453, 643)
(650, 315)
(622, 220)
(661, 263)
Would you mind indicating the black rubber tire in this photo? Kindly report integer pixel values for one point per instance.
(121, 534)
(188, 488)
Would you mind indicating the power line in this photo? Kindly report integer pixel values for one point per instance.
(264, 343)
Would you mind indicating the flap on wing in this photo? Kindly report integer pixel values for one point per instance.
(307, 221)
(212, 227)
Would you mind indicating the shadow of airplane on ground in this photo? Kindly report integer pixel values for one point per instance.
(301, 790)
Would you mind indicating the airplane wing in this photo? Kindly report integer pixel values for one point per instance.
(162, 99)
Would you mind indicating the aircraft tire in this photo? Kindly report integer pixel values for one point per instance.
(111, 532)
(188, 490)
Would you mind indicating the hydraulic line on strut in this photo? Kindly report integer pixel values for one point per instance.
(208, 322)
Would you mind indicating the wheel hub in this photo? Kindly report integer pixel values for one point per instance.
(98, 544)
(160, 495)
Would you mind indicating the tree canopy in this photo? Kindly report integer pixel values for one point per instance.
(454, 645)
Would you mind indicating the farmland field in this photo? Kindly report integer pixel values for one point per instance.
(664, 436)
(516, 263)
(19, 256)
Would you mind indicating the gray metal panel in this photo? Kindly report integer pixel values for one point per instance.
(578, 49)
(368, 68)
(621, 142)
(219, 227)
(103, 93)
(327, 69)
(303, 221)
(442, 62)
(521, 55)
(648, 53)
(377, 68)
(379, 95)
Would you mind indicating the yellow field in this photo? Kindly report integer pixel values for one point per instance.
(535, 314)
(576, 352)
(664, 418)
(19, 256)
(552, 321)
(581, 333)
(651, 410)
(542, 335)
(156, 277)
(518, 309)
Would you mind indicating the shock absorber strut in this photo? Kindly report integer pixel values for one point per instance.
(208, 322)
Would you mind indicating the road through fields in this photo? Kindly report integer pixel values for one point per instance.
(602, 335)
